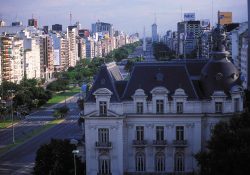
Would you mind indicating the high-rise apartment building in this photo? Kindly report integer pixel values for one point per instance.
(57, 27)
(47, 57)
(72, 33)
(189, 33)
(64, 52)
(33, 22)
(12, 58)
(102, 27)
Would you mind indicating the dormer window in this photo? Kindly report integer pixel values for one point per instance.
(179, 107)
(139, 107)
(159, 106)
(103, 108)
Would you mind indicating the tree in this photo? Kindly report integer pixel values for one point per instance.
(61, 111)
(56, 158)
(229, 148)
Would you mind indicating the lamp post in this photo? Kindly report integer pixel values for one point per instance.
(75, 152)
(12, 118)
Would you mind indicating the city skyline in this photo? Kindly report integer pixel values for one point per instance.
(128, 16)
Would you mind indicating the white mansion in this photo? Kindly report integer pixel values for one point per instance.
(154, 122)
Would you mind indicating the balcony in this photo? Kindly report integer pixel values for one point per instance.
(180, 143)
(159, 143)
(140, 143)
(103, 145)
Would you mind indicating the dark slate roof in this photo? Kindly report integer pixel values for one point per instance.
(104, 79)
(195, 66)
(170, 75)
(120, 87)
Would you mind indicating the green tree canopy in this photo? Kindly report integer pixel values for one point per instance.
(229, 148)
(56, 158)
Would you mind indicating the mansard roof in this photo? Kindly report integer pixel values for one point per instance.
(170, 75)
(105, 78)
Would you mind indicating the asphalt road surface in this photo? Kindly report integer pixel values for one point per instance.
(20, 160)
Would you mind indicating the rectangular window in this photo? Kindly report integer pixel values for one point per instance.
(103, 135)
(139, 133)
(140, 162)
(236, 105)
(104, 165)
(103, 108)
(159, 106)
(139, 107)
(159, 132)
(218, 107)
(179, 162)
(179, 132)
(179, 106)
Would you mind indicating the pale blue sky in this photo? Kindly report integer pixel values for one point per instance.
(127, 15)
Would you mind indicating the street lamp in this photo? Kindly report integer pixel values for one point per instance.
(12, 118)
(75, 152)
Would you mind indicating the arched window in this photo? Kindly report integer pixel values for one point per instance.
(140, 162)
(104, 164)
(160, 162)
(179, 162)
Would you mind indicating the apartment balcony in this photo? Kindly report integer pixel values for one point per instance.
(180, 143)
(103, 145)
(140, 143)
(159, 143)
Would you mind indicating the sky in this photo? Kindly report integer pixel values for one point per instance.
(129, 16)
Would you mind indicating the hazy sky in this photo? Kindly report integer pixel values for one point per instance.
(127, 15)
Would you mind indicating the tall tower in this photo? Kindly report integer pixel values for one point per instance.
(154, 32)
(144, 41)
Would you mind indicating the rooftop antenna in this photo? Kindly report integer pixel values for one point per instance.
(218, 17)
(32, 16)
(212, 13)
(155, 18)
(70, 18)
(181, 14)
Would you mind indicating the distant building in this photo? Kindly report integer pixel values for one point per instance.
(17, 23)
(46, 29)
(224, 17)
(84, 33)
(189, 33)
(244, 60)
(72, 33)
(12, 58)
(47, 57)
(102, 27)
(2, 23)
(155, 37)
(57, 27)
(90, 48)
(33, 22)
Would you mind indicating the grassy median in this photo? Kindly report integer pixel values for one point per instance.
(61, 96)
(7, 123)
(30, 135)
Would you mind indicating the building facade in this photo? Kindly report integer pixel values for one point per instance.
(155, 125)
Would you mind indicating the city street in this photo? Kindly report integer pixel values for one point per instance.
(148, 55)
(20, 160)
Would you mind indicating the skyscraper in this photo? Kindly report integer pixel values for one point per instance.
(154, 33)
